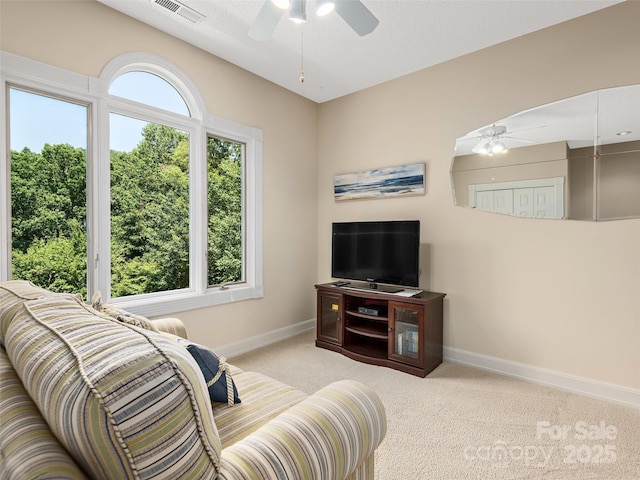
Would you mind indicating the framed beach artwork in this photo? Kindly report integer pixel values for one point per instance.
(401, 181)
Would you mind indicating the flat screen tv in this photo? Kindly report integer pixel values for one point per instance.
(377, 252)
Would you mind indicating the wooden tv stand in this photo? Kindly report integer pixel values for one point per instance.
(404, 333)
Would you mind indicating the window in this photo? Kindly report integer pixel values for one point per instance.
(149, 192)
(48, 146)
(224, 207)
(157, 206)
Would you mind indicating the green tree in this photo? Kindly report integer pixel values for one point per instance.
(48, 193)
(48, 200)
(150, 214)
(150, 208)
(224, 171)
(58, 263)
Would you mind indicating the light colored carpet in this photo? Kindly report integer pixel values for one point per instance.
(462, 423)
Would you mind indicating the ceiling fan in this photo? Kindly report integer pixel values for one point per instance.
(353, 12)
(491, 139)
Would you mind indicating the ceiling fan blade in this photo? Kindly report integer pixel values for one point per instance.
(525, 129)
(357, 16)
(266, 22)
(518, 139)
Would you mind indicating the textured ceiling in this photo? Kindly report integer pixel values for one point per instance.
(412, 35)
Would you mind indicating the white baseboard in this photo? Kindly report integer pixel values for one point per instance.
(583, 386)
(264, 339)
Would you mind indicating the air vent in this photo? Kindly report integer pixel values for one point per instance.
(180, 9)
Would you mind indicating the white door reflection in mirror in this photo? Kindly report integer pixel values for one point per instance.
(540, 198)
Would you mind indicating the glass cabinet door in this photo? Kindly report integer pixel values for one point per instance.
(330, 318)
(405, 332)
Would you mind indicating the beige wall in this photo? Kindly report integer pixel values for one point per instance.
(580, 205)
(618, 190)
(84, 36)
(560, 295)
(619, 181)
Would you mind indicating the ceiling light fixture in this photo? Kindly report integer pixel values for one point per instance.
(491, 140)
(323, 7)
(353, 12)
(297, 12)
(623, 133)
(490, 146)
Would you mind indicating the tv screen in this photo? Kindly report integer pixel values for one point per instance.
(377, 252)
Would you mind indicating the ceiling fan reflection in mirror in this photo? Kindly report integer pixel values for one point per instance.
(353, 12)
(492, 139)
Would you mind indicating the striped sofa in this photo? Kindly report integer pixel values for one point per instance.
(85, 395)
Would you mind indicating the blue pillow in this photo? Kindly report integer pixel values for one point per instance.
(210, 364)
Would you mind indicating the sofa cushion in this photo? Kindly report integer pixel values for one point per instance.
(331, 434)
(219, 382)
(263, 398)
(124, 402)
(171, 325)
(28, 449)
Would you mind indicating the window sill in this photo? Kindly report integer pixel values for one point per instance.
(159, 304)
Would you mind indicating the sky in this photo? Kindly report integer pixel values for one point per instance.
(37, 119)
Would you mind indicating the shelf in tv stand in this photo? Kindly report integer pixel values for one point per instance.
(369, 331)
(374, 318)
(365, 354)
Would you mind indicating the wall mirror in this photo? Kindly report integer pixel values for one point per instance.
(577, 158)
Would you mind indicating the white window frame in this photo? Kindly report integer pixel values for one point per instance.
(27, 73)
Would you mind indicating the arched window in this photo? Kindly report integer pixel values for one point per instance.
(173, 215)
(149, 188)
(150, 89)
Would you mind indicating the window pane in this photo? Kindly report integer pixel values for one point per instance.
(150, 89)
(225, 246)
(48, 191)
(149, 208)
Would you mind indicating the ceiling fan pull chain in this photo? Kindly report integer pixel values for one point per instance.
(302, 53)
